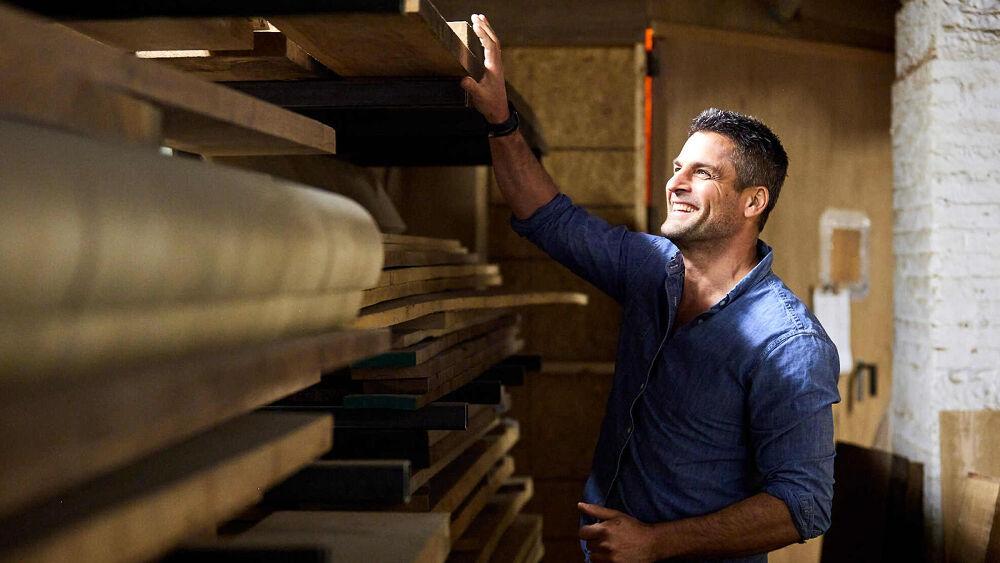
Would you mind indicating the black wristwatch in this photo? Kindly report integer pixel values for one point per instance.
(507, 127)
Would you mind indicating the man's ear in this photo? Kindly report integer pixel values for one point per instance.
(755, 201)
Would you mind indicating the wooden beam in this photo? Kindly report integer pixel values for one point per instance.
(410, 40)
(45, 62)
(57, 435)
(403, 310)
(185, 490)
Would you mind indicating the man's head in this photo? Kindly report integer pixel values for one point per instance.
(726, 178)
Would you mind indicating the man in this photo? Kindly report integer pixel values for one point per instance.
(718, 437)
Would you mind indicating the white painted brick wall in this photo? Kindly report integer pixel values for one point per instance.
(946, 153)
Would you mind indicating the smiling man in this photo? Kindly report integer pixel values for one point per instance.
(717, 443)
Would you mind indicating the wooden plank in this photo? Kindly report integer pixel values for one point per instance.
(395, 276)
(424, 351)
(272, 57)
(452, 374)
(968, 445)
(422, 447)
(406, 258)
(323, 536)
(440, 325)
(506, 433)
(422, 242)
(167, 34)
(184, 489)
(520, 540)
(479, 392)
(336, 483)
(412, 40)
(481, 539)
(435, 416)
(464, 344)
(42, 60)
(977, 516)
(398, 291)
(411, 401)
(402, 310)
(56, 435)
(474, 501)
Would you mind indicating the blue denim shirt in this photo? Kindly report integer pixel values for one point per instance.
(734, 403)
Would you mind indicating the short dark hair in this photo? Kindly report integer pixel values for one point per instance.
(759, 158)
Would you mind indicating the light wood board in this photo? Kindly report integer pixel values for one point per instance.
(403, 310)
(398, 291)
(338, 536)
(502, 435)
(968, 445)
(974, 533)
(139, 512)
(463, 515)
(48, 67)
(56, 435)
(413, 40)
(272, 57)
(422, 242)
(396, 276)
(399, 258)
(439, 325)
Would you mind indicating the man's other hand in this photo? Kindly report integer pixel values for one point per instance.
(489, 95)
(617, 537)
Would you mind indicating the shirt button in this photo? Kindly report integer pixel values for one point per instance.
(628, 430)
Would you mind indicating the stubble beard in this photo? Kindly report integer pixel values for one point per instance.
(700, 232)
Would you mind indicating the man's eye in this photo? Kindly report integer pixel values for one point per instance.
(677, 169)
(703, 173)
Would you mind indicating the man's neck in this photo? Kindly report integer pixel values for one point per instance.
(711, 271)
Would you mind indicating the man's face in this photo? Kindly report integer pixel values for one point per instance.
(702, 201)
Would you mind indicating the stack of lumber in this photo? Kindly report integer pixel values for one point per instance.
(150, 303)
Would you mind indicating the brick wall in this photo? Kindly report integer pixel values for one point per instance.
(946, 152)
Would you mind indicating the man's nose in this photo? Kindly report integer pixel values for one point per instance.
(676, 182)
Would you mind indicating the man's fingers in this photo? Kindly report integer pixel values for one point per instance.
(598, 512)
(489, 30)
(483, 32)
(592, 532)
(469, 84)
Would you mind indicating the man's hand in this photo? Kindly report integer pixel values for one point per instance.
(618, 537)
(489, 95)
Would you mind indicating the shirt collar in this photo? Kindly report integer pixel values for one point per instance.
(675, 266)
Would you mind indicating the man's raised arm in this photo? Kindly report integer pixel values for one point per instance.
(524, 183)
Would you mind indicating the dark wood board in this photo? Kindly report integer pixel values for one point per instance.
(424, 351)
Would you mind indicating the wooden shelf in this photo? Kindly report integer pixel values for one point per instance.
(56, 76)
(396, 121)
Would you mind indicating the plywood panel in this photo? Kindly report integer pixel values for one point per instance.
(836, 139)
(583, 97)
(594, 178)
(968, 444)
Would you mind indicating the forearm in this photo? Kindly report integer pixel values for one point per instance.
(522, 180)
(755, 525)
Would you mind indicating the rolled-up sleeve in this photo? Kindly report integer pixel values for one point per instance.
(791, 425)
(584, 243)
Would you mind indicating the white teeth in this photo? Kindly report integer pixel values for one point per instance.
(683, 208)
